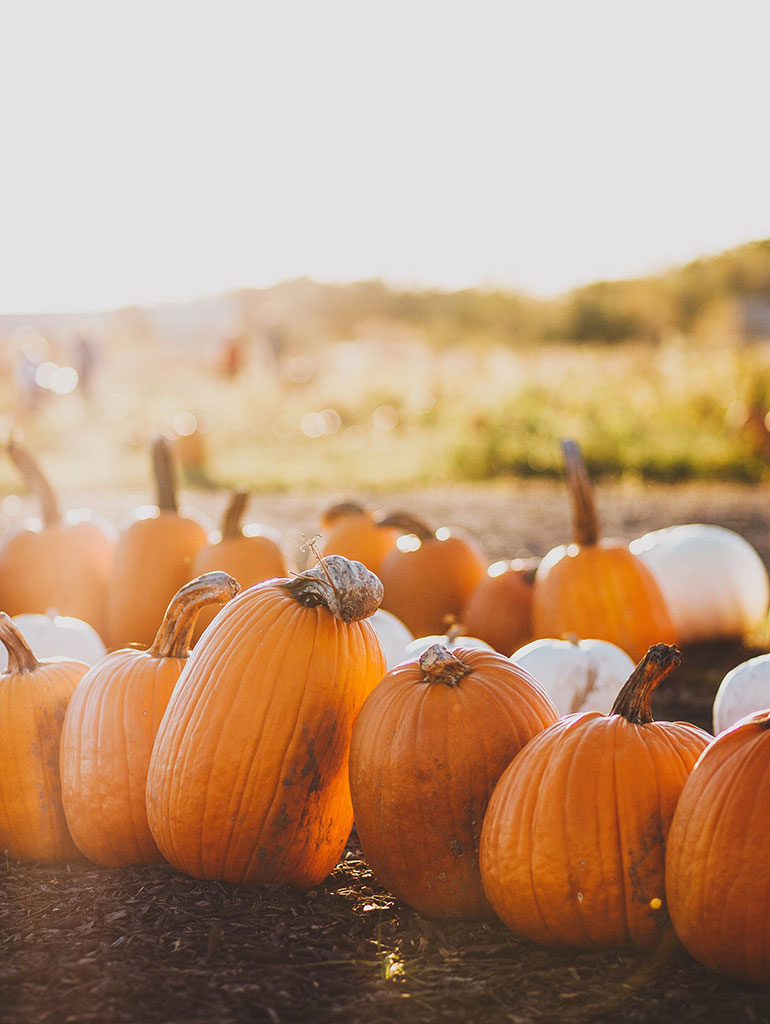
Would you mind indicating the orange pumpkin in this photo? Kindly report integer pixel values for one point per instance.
(573, 841)
(358, 533)
(596, 588)
(248, 780)
(249, 553)
(428, 747)
(33, 701)
(499, 610)
(153, 559)
(59, 563)
(717, 871)
(429, 576)
(110, 727)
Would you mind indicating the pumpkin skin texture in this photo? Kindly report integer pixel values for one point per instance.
(153, 560)
(248, 779)
(428, 747)
(429, 576)
(33, 701)
(717, 873)
(110, 727)
(573, 841)
(249, 554)
(357, 533)
(60, 562)
(499, 610)
(596, 588)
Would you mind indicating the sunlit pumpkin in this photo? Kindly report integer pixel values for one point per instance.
(500, 608)
(248, 780)
(110, 727)
(573, 841)
(595, 588)
(357, 532)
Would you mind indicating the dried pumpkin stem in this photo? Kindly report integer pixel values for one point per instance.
(634, 702)
(439, 665)
(585, 524)
(175, 633)
(341, 509)
(408, 523)
(231, 521)
(347, 588)
(20, 656)
(37, 482)
(165, 475)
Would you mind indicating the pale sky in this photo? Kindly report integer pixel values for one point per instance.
(169, 149)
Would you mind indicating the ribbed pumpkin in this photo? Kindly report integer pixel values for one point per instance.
(717, 867)
(500, 608)
(429, 576)
(33, 701)
(573, 841)
(357, 532)
(596, 588)
(59, 563)
(153, 558)
(428, 747)
(250, 553)
(248, 780)
(110, 727)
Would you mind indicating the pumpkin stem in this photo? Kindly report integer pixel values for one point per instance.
(634, 701)
(408, 523)
(439, 665)
(20, 656)
(585, 524)
(231, 521)
(173, 637)
(347, 588)
(37, 482)
(164, 471)
(340, 509)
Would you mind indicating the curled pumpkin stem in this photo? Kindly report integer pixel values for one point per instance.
(175, 633)
(20, 655)
(347, 588)
(634, 701)
(37, 482)
(439, 665)
(408, 523)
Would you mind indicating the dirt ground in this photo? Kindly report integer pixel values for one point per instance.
(147, 945)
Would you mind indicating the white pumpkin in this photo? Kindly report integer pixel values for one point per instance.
(58, 636)
(745, 689)
(579, 675)
(392, 634)
(714, 581)
(420, 644)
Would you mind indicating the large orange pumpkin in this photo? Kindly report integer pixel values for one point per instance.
(153, 558)
(428, 747)
(248, 780)
(573, 841)
(596, 588)
(429, 576)
(59, 563)
(717, 867)
(110, 727)
(33, 701)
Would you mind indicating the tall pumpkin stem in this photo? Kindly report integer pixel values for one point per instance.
(175, 633)
(585, 524)
(37, 482)
(347, 588)
(439, 665)
(20, 656)
(165, 475)
(231, 521)
(634, 702)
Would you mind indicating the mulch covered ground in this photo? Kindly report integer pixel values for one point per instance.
(147, 945)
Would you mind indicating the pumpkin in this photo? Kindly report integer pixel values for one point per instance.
(714, 581)
(248, 779)
(357, 532)
(33, 700)
(597, 588)
(573, 841)
(250, 553)
(110, 727)
(499, 610)
(743, 690)
(392, 634)
(153, 558)
(717, 871)
(59, 636)
(59, 563)
(429, 575)
(428, 747)
(579, 675)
